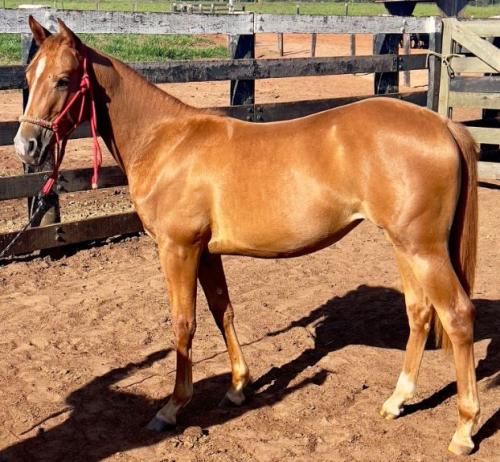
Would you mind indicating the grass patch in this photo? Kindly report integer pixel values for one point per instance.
(155, 47)
(131, 48)
(10, 49)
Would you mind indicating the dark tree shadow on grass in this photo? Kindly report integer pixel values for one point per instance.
(104, 419)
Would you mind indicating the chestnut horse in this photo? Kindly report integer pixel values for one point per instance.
(204, 185)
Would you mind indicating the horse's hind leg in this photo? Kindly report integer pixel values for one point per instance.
(419, 312)
(435, 274)
(213, 281)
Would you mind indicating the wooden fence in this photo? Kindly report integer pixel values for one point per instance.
(478, 56)
(242, 71)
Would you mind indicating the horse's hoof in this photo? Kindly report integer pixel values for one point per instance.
(158, 425)
(388, 415)
(459, 449)
(225, 403)
(232, 399)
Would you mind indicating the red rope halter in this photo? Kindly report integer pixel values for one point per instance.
(62, 136)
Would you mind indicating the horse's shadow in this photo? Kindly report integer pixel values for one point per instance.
(105, 420)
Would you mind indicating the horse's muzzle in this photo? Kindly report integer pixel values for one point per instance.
(32, 149)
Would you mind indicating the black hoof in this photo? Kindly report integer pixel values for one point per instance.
(227, 403)
(159, 425)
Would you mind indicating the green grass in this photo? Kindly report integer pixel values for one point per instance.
(131, 48)
(155, 47)
(10, 49)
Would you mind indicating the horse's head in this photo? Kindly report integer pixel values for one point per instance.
(53, 76)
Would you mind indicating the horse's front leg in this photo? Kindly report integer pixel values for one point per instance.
(180, 265)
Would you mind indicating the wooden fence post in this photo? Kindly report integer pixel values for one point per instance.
(242, 91)
(386, 82)
(281, 51)
(51, 212)
(352, 44)
(434, 75)
(406, 52)
(313, 44)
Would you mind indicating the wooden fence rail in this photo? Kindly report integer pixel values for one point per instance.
(12, 77)
(115, 22)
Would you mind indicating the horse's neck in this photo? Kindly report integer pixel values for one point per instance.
(129, 108)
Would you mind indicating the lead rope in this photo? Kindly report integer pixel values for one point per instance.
(41, 205)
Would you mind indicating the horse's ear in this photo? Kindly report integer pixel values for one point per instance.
(69, 36)
(39, 32)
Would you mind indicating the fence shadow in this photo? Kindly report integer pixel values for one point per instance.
(105, 419)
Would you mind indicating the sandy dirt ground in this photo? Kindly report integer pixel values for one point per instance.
(86, 353)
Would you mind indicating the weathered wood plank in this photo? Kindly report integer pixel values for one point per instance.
(488, 170)
(481, 48)
(8, 131)
(270, 23)
(60, 234)
(488, 84)
(483, 28)
(116, 22)
(15, 21)
(197, 71)
(470, 64)
(434, 74)
(486, 135)
(15, 187)
(479, 100)
(12, 77)
(446, 48)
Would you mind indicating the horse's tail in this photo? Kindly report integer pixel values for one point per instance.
(463, 236)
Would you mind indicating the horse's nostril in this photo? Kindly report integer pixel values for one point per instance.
(31, 146)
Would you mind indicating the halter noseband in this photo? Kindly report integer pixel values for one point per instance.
(62, 135)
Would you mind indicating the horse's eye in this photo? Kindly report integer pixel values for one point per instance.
(62, 84)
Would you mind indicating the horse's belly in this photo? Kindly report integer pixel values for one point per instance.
(274, 240)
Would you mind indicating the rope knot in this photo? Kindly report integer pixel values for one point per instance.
(85, 83)
(445, 60)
